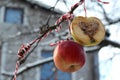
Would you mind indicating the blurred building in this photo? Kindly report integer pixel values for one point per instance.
(20, 22)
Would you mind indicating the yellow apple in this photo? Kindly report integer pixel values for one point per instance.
(87, 31)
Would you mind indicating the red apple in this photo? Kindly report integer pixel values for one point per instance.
(69, 56)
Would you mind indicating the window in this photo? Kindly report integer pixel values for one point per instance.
(13, 15)
(49, 72)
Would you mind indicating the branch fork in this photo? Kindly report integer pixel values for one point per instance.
(25, 48)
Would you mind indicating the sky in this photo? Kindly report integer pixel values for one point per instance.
(109, 56)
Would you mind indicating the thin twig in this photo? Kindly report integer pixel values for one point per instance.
(109, 20)
(51, 28)
(23, 53)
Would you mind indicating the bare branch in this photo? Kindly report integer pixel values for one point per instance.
(109, 20)
(24, 49)
(29, 66)
(109, 42)
(105, 42)
(54, 26)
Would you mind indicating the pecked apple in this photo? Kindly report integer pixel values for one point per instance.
(87, 31)
(69, 56)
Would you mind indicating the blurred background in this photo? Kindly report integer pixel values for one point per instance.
(21, 22)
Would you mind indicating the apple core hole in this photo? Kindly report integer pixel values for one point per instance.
(89, 28)
(71, 66)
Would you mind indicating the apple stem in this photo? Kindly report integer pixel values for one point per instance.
(54, 44)
(58, 42)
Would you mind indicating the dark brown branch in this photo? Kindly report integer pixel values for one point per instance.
(25, 58)
(46, 32)
(110, 42)
(105, 42)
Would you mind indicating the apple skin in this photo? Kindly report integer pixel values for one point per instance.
(69, 56)
(87, 31)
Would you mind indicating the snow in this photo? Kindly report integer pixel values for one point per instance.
(109, 59)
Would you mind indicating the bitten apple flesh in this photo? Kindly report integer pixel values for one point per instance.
(87, 31)
(69, 56)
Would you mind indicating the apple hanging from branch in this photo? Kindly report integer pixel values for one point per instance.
(69, 56)
(87, 31)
